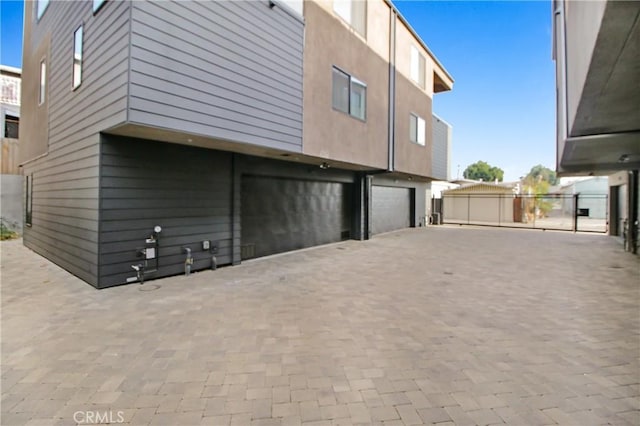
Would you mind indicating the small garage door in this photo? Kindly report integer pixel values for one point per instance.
(279, 214)
(391, 208)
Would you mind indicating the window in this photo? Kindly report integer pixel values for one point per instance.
(417, 130)
(29, 199)
(340, 91)
(417, 67)
(354, 12)
(77, 57)
(43, 83)
(11, 126)
(358, 102)
(349, 94)
(41, 6)
(97, 4)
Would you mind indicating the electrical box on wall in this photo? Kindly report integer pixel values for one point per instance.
(206, 244)
(150, 253)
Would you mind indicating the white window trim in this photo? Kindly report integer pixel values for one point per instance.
(75, 85)
(42, 82)
(97, 4)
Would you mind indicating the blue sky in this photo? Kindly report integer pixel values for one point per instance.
(502, 106)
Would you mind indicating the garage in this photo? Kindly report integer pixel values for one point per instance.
(391, 208)
(283, 214)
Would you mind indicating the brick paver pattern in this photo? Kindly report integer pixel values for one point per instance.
(441, 325)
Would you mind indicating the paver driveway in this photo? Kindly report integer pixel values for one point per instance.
(439, 325)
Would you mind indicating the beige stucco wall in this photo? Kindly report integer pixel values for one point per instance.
(409, 156)
(34, 120)
(583, 19)
(377, 25)
(329, 133)
(404, 42)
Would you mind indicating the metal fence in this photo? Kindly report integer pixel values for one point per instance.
(565, 212)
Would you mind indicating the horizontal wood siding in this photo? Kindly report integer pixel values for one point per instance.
(225, 69)
(66, 179)
(187, 191)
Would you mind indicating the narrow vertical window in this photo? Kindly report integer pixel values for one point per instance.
(77, 57)
(41, 6)
(422, 131)
(97, 4)
(340, 91)
(354, 12)
(418, 64)
(413, 128)
(43, 83)
(28, 204)
(417, 129)
(358, 99)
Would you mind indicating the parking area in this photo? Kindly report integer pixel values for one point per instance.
(445, 325)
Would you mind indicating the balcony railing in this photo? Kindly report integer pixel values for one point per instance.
(10, 90)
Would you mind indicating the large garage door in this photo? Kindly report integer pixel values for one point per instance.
(391, 208)
(279, 215)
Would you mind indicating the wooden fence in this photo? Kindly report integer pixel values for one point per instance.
(9, 157)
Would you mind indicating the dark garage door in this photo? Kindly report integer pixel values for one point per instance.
(281, 214)
(391, 208)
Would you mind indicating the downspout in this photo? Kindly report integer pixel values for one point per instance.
(633, 210)
(392, 89)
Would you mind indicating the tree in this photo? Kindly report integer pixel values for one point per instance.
(481, 170)
(536, 185)
(541, 173)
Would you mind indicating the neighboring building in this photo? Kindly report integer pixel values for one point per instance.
(480, 202)
(596, 45)
(9, 118)
(238, 129)
(11, 213)
(592, 197)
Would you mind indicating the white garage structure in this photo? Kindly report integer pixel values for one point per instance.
(479, 203)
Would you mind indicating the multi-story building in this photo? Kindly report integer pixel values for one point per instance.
(9, 118)
(10, 178)
(596, 47)
(179, 135)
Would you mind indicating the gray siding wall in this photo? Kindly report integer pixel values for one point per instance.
(65, 180)
(418, 214)
(441, 149)
(187, 191)
(225, 69)
(194, 194)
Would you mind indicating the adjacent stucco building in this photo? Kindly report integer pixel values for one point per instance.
(181, 135)
(11, 214)
(596, 45)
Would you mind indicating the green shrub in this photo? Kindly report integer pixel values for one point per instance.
(6, 233)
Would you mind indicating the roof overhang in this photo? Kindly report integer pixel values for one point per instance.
(600, 154)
